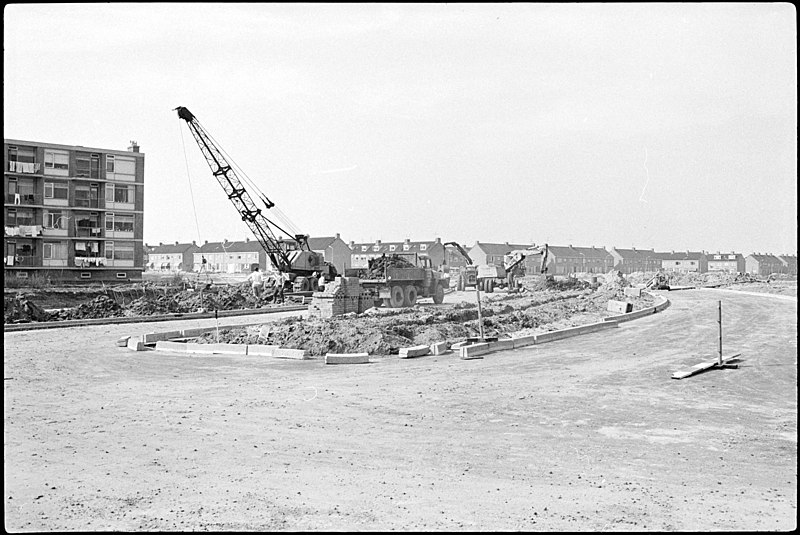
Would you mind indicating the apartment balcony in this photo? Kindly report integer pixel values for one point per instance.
(23, 198)
(22, 231)
(52, 231)
(28, 168)
(21, 261)
(86, 203)
(88, 232)
(90, 261)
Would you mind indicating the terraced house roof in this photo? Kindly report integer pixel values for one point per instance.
(578, 252)
(172, 248)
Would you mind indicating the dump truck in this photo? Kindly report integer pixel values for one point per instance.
(398, 280)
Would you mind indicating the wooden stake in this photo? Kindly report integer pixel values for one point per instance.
(720, 334)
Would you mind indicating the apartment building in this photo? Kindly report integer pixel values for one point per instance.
(72, 213)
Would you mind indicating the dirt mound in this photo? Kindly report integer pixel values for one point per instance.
(385, 333)
(20, 309)
(377, 266)
(138, 302)
(99, 307)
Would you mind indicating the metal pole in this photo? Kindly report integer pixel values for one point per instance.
(720, 333)
(480, 313)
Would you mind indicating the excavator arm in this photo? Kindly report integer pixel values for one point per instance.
(461, 250)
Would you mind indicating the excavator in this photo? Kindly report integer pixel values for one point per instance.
(489, 276)
(293, 257)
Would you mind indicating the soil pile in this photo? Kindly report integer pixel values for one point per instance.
(385, 331)
(377, 266)
(99, 307)
(20, 309)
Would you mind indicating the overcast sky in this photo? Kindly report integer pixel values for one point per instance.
(671, 126)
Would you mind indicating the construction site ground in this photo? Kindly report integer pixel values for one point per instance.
(588, 433)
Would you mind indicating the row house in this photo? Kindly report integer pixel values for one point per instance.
(569, 259)
(683, 261)
(725, 262)
(239, 256)
(362, 253)
(229, 256)
(631, 260)
(71, 212)
(483, 253)
(763, 264)
(171, 257)
(335, 251)
(789, 263)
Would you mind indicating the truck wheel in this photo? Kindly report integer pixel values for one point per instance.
(461, 284)
(438, 295)
(489, 286)
(386, 303)
(397, 296)
(410, 296)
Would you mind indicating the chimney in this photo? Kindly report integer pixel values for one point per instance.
(438, 240)
(247, 239)
(160, 244)
(206, 242)
(377, 242)
(176, 243)
(134, 147)
(352, 244)
(407, 241)
(194, 242)
(338, 237)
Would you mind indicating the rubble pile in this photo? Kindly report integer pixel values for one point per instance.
(614, 284)
(377, 266)
(99, 307)
(20, 309)
(384, 331)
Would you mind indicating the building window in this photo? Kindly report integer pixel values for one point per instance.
(54, 219)
(109, 163)
(56, 160)
(86, 196)
(119, 250)
(392, 247)
(406, 247)
(423, 247)
(54, 250)
(119, 222)
(119, 193)
(19, 217)
(56, 190)
(87, 166)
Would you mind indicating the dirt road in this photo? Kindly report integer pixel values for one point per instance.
(589, 433)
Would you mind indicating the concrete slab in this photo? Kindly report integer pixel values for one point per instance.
(261, 350)
(165, 345)
(499, 345)
(573, 331)
(414, 351)
(218, 349)
(522, 341)
(633, 292)
(135, 343)
(439, 348)
(149, 338)
(347, 358)
(285, 353)
(473, 351)
(620, 307)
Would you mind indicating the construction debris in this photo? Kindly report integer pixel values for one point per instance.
(386, 331)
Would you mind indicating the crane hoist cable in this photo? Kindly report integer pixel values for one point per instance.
(203, 266)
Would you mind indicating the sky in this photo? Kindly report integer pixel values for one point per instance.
(666, 126)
